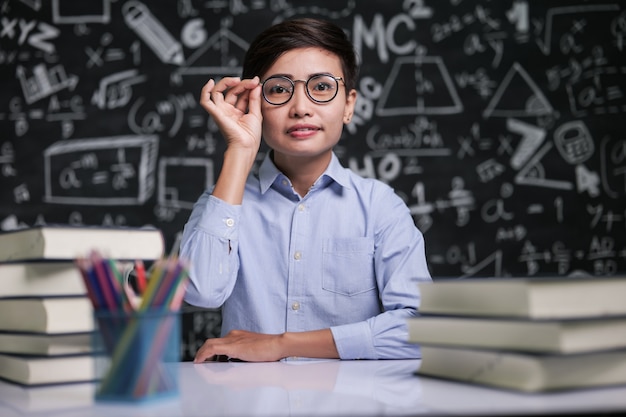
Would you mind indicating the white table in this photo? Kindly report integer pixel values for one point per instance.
(313, 388)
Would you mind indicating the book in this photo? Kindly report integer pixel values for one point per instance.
(46, 398)
(44, 370)
(43, 344)
(70, 242)
(524, 371)
(548, 336)
(537, 298)
(47, 314)
(24, 279)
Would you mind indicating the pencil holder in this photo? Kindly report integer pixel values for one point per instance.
(137, 355)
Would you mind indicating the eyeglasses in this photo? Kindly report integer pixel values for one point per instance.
(320, 88)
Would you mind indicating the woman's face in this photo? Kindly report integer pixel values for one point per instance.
(302, 128)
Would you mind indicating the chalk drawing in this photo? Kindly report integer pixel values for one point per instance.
(527, 99)
(174, 171)
(532, 138)
(153, 33)
(418, 85)
(64, 12)
(569, 12)
(574, 142)
(231, 50)
(533, 173)
(44, 82)
(101, 171)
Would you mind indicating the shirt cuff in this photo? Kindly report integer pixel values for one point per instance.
(354, 341)
(220, 218)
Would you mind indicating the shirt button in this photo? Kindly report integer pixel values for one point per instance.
(301, 207)
(295, 306)
(285, 183)
(230, 222)
(297, 256)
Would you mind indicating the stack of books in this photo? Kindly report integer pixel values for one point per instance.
(46, 317)
(524, 334)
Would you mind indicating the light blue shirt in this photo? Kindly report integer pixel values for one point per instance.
(347, 256)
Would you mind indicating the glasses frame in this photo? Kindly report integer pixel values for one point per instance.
(306, 88)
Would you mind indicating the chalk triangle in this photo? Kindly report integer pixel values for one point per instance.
(517, 96)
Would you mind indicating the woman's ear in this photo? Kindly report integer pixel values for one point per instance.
(348, 111)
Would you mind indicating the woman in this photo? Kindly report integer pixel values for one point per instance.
(306, 258)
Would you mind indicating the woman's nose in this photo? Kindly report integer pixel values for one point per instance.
(300, 102)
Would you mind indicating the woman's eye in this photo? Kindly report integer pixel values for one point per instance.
(279, 89)
(322, 87)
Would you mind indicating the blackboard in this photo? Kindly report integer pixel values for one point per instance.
(500, 123)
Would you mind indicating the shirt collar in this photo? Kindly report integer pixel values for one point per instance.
(269, 173)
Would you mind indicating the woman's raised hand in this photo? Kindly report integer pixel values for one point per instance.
(235, 104)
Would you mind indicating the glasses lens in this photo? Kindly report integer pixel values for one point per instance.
(322, 88)
(277, 90)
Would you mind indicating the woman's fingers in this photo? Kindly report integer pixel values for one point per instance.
(243, 99)
(238, 95)
(230, 90)
(254, 101)
(205, 94)
(243, 345)
(235, 106)
(211, 348)
(213, 92)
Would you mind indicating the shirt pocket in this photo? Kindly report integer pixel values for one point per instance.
(348, 265)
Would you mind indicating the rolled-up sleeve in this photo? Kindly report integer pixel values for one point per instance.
(210, 243)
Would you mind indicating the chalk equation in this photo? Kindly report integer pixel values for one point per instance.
(100, 171)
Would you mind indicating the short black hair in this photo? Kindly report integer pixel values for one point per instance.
(274, 41)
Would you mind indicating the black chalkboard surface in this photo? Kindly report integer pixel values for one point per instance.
(500, 123)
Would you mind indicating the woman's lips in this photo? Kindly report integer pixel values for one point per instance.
(303, 131)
